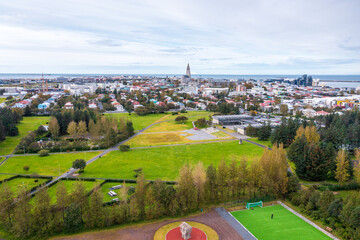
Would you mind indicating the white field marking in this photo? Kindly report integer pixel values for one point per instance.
(242, 226)
(308, 221)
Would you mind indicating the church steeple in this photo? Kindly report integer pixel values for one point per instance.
(188, 71)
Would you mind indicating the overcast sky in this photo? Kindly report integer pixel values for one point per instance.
(162, 36)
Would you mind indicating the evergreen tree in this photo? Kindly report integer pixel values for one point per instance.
(73, 219)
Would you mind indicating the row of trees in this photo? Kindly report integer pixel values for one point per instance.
(8, 120)
(316, 160)
(342, 215)
(196, 187)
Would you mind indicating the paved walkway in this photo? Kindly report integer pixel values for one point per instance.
(308, 221)
(240, 229)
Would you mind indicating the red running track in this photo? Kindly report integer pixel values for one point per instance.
(175, 234)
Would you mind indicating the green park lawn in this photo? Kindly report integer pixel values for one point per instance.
(220, 134)
(165, 162)
(265, 143)
(139, 122)
(48, 165)
(284, 226)
(29, 183)
(169, 127)
(164, 138)
(89, 185)
(27, 125)
(3, 176)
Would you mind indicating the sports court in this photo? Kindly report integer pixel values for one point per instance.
(284, 226)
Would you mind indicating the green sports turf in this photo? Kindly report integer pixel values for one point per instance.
(284, 226)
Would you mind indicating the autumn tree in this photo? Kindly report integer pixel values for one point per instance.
(222, 180)
(54, 127)
(199, 175)
(255, 177)
(342, 167)
(96, 211)
(22, 215)
(186, 189)
(72, 128)
(7, 206)
(140, 194)
(42, 215)
(357, 165)
(274, 165)
(81, 129)
(210, 184)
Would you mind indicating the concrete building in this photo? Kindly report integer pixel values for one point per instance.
(231, 119)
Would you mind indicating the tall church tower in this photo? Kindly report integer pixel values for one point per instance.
(188, 71)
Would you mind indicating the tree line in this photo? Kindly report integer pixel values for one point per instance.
(196, 188)
(8, 120)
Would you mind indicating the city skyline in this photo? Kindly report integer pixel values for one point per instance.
(161, 37)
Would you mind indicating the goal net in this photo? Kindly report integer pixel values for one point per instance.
(254, 204)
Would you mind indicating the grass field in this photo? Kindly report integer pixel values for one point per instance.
(284, 226)
(48, 165)
(89, 185)
(27, 125)
(166, 138)
(220, 134)
(169, 126)
(265, 143)
(165, 162)
(29, 183)
(3, 176)
(139, 122)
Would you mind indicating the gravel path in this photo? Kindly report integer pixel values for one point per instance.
(147, 231)
(241, 230)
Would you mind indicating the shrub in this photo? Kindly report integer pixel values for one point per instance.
(174, 113)
(124, 148)
(181, 119)
(201, 123)
(43, 153)
(26, 168)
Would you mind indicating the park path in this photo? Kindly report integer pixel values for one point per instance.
(239, 228)
(308, 221)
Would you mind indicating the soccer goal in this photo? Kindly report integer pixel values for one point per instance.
(254, 204)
